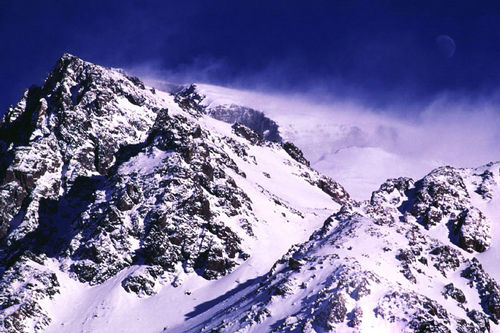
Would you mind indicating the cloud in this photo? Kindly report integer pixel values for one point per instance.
(460, 131)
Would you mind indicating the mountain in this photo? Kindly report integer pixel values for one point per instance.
(126, 208)
(105, 182)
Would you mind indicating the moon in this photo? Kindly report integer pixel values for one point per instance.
(446, 45)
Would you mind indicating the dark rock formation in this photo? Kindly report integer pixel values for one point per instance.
(256, 120)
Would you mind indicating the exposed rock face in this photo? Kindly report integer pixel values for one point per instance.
(295, 153)
(247, 133)
(190, 98)
(451, 291)
(440, 198)
(487, 182)
(487, 288)
(65, 124)
(102, 178)
(178, 197)
(23, 285)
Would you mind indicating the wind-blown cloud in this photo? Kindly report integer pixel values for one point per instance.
(362, 146)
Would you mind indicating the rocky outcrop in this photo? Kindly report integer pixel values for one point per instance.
(295, 153)
(23, 285)
(70, 127)
(105, 182)
(440, 198)
(190, 100)
(487, 288)
(248, 134)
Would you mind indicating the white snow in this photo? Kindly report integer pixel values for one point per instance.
(144, 163)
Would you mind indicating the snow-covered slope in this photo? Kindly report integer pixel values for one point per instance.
(118, 201)
(415, 258)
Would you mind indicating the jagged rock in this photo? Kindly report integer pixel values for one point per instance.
(451, 291)
(487, 288)
(474, 230)
(247, 133)
(349, 263)
(480, 319)
(438, 194)
(295, 264)
(65, 131)
(124, 202)
(109, 178)
(392, 192)
(333, 189)
(446, 259)
(142, 282)
(487, 184)
(138, 285)
(334, 312)
(282, 288)
(426, 315)
(439, 198)
(355, 317)
(21, 287)
(190, 100)
(295, 153)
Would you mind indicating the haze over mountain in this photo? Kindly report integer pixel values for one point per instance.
(362, 147)
(370, 76)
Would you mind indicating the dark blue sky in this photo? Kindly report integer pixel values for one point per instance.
(377, 51)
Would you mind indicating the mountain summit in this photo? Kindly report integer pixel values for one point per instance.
(125, 209)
